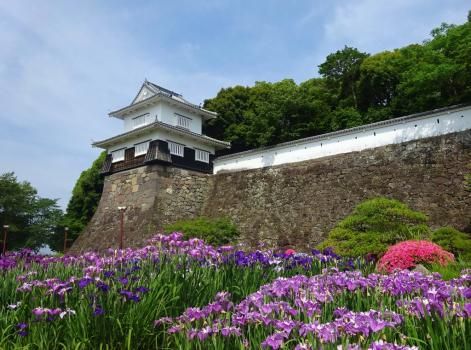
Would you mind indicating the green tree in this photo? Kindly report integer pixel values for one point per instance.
(436, 73)
(275, 113)
(378, 80)
(269, 113)
(32, 220)
(374, 225)
(428, 82)
(342, 71)
(230, 104)
(82, 205)
(343, 118)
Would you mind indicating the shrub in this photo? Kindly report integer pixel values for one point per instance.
(217, 231)
(373, 226)
(408, 254)
(459, 243)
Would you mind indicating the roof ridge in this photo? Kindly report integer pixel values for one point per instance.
(162, 89)
(167, 95)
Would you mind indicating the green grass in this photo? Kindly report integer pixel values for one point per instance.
(452, 270)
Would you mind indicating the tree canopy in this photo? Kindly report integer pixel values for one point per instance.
(354, 88)
(32, 220)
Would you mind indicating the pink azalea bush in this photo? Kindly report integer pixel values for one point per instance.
(408, 254)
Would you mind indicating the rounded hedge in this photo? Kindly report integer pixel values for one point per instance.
(408, 254)
(214, 231)
(373, 226)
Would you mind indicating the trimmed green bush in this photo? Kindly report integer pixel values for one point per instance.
(459, 243)
(374, 225)
(218, 231)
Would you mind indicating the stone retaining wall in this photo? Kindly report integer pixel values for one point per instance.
(154, 196)
(298, 204)
(293, 204)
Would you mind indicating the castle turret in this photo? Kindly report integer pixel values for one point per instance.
(160, 126)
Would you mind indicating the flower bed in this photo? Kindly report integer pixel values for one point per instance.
(177, 293)
(294, 309)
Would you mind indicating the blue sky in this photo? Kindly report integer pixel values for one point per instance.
(65, 64)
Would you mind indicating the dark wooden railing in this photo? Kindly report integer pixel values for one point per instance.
(129, 161)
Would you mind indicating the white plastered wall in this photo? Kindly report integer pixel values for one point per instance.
(395, 132)
(165, 113)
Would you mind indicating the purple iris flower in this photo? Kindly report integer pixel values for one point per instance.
(163, 320)
(339, 312)
(302, 346)
(204, 333)
(123, 280)
(285, 326)
(22, 329)
(467, 310)
(142, 290)
(98, 311)
(274, 341)
(228, 331)
(103, 286)
(129, 296)
(108, 274)
(84, 282)
(175, 329)
(377, 325)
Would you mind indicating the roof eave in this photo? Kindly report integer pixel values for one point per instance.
(120, 113)
(156, 125)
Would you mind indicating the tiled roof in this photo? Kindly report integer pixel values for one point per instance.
(161, 125)
(365, 127)
(165, 93)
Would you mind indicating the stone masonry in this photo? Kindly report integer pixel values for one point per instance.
(154, 196)
(292, 204)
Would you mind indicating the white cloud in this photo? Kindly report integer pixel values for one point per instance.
(373, 25)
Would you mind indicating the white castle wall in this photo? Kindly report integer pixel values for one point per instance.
(164, 113)
(383, 133)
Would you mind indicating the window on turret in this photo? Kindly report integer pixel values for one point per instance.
(201, 156)
(176, 149)
(118, 155)
(183, 121)
(140, 120)
(141, 148)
